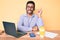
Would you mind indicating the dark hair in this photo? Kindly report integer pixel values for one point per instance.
(32, 3)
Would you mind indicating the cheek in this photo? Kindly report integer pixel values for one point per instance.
(27, 9)
(32, 9)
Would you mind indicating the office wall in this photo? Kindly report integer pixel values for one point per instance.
(11, 10)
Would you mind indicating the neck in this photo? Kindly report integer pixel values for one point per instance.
(29, 15)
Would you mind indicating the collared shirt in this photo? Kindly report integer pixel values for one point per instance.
(26, 24)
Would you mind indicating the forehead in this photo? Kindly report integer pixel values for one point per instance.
(30, 4)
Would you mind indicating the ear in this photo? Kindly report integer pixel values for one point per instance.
(34, 8)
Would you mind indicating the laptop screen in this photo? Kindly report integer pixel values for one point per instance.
(9, 28)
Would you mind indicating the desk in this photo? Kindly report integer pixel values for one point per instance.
(4, 36)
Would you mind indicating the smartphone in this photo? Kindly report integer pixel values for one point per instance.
(32, 35)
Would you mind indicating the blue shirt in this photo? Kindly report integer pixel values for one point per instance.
(25, 23)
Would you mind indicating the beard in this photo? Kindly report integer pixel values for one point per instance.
(29, 12)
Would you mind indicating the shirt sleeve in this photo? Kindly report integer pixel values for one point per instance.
(39, 22)
(21, 25)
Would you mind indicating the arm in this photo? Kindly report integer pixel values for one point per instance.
(39, 21)
(21, 25)
(39, 24)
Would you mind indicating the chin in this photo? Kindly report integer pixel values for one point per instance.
(29, 12)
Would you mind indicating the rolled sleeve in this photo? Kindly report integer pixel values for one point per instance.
(40, 22)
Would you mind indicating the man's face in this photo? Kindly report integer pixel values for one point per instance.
(30, 8)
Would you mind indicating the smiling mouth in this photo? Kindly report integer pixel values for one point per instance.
(29, 11)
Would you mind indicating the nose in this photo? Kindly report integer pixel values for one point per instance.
(29, 8)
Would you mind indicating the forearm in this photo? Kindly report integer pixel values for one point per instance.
(24, 28)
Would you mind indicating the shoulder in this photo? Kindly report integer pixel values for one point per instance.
(23, 15)
(35, 16)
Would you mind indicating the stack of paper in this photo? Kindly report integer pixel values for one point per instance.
(50, 34)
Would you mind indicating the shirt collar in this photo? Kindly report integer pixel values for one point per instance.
(27, 16)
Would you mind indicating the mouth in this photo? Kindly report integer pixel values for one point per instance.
(29, 11)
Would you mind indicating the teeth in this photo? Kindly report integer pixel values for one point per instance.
(29, 11)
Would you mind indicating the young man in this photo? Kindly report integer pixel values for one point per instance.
(30, 21)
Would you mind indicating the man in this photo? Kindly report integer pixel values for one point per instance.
(30, 21)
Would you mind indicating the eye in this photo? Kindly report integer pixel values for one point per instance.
(29, 6)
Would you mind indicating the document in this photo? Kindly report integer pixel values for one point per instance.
(50, 34)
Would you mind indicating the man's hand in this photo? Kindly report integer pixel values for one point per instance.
(1, 31)
(35, 28)
(39, 13)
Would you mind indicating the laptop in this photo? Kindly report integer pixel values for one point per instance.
(11, 30)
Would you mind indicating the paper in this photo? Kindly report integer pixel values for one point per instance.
(49, 34)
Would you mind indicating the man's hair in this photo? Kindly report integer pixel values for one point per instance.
(32, 3)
